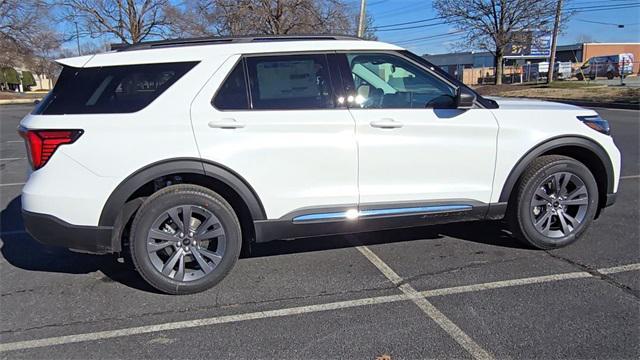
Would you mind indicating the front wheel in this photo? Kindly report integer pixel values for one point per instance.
(185, 239)
(555, 202)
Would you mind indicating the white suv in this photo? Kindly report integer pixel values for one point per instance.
(181, 152)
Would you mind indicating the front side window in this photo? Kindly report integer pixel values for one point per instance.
(110, 89)
(290, 82)
(385, 81)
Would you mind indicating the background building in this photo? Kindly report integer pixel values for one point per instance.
(482, 62)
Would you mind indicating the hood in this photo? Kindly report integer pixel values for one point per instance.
(524, 104)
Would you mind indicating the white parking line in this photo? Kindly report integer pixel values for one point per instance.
(11, 159)
(629, 177)
(476, 351)
(19, 345)
(619, 269)
(108, 334)
(12, 184)
(505, 283)
(15, 141)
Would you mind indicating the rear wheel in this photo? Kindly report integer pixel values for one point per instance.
(185, 239)
(609, 75)
(555, 202)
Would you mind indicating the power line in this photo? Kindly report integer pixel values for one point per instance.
(604, 7)
(430, 37)
(408, 23)
(577, 9)
(413, 27)
(601, 23)
(377, 2)
(623, 4)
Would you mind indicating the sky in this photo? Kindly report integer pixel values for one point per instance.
(579, 28)
(433, 37)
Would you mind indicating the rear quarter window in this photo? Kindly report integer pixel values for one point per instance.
(110, 89)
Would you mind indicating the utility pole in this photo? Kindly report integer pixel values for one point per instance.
(77, 37)
(554, 39)
(363, 6)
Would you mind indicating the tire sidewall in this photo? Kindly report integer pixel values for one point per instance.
(525, 216)
(153, 210)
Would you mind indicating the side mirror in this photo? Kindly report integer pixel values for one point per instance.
(465, 98)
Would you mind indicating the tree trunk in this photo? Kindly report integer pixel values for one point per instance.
(499, 59)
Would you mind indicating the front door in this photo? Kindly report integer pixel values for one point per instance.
(414, 145)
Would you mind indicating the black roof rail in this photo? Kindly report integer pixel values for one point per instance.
(225, 40)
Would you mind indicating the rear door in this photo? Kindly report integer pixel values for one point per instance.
(277, 122)
(414, 145)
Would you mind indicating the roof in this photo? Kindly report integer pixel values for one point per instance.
(200, 49)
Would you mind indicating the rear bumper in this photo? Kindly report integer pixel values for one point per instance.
(50, 230)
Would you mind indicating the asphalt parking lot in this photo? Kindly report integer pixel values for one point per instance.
(456, 291)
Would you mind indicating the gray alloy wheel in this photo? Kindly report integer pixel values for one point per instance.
(554, 203)
(184, 239)
(186, 242)
(559, 205)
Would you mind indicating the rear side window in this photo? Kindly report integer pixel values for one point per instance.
(290, 82)
(233, 92)
(110, 89)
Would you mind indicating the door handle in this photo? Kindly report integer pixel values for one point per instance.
(386, 124)
(225, 124)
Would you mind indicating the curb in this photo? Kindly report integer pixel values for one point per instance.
(18, 101)
(624, 106)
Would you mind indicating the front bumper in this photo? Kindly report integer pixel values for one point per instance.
(50, 230)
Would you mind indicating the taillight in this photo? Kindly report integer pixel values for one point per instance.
(41, 144)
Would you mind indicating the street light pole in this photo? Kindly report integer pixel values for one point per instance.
(363, 6)
(554, 40)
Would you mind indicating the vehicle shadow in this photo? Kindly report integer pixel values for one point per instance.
(22, 251)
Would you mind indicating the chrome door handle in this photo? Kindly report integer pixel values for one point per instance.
(386, 124)
(225, 124)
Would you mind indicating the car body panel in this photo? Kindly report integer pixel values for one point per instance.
(436, 154)
(293, 159)
(524, 124)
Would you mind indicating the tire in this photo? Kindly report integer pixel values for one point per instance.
(580, 77)
(196, 257)
(610, 75)
(530, 205)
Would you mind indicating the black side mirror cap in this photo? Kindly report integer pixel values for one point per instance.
(465, 98)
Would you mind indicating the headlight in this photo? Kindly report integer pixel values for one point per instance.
(596, 123)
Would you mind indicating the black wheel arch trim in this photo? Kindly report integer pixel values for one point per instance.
(554, 143)
(128, 186)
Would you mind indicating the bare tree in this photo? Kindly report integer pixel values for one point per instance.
(130, 21)
(26, 34)
(274, 17)
(22, 24)
(493, 24)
